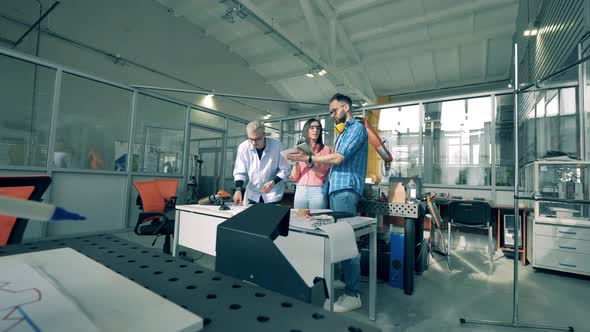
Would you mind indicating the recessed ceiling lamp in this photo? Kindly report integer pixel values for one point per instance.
(208, 100)
(267, 116)
(318, 72)
(531, 31)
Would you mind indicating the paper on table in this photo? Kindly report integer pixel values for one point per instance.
(109, 300)
(300, 222)
(33, 303)
(342, 241)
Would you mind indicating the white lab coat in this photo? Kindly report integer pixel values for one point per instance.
(260, 171)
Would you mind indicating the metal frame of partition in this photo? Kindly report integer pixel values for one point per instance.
(50, 169)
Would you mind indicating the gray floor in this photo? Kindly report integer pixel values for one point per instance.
(472, 290)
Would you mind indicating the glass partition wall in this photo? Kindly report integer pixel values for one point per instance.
(77, 128)
(459, 141)
(56, 119)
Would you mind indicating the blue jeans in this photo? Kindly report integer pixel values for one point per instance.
(309, 198)
(346, 201)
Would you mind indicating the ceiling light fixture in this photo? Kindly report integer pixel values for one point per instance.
(531, 30)
(231, 13)
(208, 100)
(322, 72)
(267, 116)
(309, 74)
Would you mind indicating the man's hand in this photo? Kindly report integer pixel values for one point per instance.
(297, 156)
(268, 186)
(238, 197)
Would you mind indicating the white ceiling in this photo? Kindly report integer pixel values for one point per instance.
(369, 47)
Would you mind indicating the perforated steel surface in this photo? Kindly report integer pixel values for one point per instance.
(226, 304)
(390, 209)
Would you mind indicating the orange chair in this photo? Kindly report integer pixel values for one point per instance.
(12, 229)
(155, 198)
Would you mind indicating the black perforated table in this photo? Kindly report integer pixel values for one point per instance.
(226, 304)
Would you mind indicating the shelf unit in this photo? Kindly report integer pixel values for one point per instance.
(561, 231)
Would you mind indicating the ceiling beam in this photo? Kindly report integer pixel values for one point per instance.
(355, 6)
(420, 21)
(332, 41)
(268, 57)
(484, 66)
(425, 46)
(264, 22)
(434, 73)
(270, 79)
(182, 8)
(346, 43)
(493, 80)
(411, 70)
(287, 24)
(313, 26)
(460, 76)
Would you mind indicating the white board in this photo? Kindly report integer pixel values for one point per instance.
(63, 290)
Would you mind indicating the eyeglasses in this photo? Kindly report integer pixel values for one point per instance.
(316, 127)
(254, 140)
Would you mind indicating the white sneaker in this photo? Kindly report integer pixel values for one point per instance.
(345, 303)
(338, 284)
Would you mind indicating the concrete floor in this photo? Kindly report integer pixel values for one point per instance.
(472, 290)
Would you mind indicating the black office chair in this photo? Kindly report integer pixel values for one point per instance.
(471, 214)
(436, 225)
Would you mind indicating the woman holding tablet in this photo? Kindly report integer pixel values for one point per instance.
(311, 177)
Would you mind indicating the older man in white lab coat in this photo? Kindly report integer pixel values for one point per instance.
(259, 161)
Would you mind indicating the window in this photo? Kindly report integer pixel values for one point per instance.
(504, 140)
(158, 136)
(235, 136)
(552, 107)
(27, 96)
(457, 142)
(399, 128)
(92, 126)
(207, 119)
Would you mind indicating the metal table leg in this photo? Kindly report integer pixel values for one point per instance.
(372, 273)
(175, 240)
(409, 260)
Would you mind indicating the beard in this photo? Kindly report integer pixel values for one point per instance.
(342, 119)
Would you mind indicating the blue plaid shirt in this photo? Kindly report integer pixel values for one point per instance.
(353, 144)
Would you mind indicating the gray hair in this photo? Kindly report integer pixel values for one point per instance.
(255, 125)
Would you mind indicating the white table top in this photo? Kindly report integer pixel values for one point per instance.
(212, 210)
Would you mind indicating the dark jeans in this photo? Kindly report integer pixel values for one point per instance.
(346, 201)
